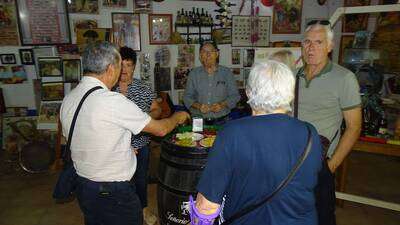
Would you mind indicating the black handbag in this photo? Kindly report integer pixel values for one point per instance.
(66, 182)
(282, 185)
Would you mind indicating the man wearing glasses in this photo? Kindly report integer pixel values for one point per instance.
(211, 91)
(327, 94)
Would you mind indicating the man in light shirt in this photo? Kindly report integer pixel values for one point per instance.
(100, 147)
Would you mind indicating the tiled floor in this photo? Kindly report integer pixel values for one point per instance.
(25, 199)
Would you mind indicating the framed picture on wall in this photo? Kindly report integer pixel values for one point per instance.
(355, 22)
(141, 6)
(160, 28)
(345, 42)
(71, 70)
(287, 17)
(388, 20)
(114, 3)
(52, 91)
(8, 24)
(43, 27)
(242, 34)
(126, 30)
(222, 35)
(49, 66)
(8, 59)
(90, 36)
(26, 56)
(83, 6)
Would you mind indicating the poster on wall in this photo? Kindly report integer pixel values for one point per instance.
(90, 36)
(48, 114)
(287, 17)
(355, 22)
(180, 77)
(160, 28)
(114, 3)
(244, 35)
(345, 42)
(186, 56)
(141, 6)
(126, 30)
(261, 54)
(41, 23)
(8, 23)
(83, 6)
(162, 80)
(388, 20)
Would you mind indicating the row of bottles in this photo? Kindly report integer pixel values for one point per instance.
(194, 17)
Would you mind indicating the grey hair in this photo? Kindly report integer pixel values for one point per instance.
(97, 57)
(327, 28)
(270, 87)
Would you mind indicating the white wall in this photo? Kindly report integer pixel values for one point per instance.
(21, 94)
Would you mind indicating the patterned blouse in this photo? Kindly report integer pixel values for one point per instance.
(141, 94)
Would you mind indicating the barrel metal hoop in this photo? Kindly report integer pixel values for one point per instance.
(177, 192)
(180, 166)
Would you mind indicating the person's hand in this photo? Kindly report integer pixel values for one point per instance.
(204, 108)
(332, 165)
(135, 150)
(182, 117)
(217, 107)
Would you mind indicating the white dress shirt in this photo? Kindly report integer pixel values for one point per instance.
(100, 147)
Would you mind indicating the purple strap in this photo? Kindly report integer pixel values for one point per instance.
(198, 218)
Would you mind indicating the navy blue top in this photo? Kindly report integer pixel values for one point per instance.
(251, 157)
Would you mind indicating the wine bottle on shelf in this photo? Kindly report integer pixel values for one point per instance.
(178, 18)
(198, 17)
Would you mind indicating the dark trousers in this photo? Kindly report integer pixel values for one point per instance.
(140, 178)
(325, 197)
(108, 203)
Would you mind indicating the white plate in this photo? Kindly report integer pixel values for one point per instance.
(197, 136)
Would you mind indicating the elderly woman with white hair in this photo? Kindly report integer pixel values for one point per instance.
(252, 156)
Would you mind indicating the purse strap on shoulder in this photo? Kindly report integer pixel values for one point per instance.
(71, 129)
(282, 185)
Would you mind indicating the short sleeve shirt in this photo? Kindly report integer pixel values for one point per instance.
(209, 89)
(323, 100)
(141, 94)
(249, 159)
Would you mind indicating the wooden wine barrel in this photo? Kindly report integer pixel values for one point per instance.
(180, 169)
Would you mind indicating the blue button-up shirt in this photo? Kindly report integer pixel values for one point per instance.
(208, 89)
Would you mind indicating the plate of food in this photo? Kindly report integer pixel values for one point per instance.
(207, 142)
(186, 142)
(189, 135)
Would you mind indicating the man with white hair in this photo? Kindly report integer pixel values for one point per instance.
(251, 156)
(327, 94)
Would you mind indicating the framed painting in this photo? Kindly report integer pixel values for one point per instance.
(8, 59)
(160, 28)
(345, 42)
(90, 36)
(243, 36)
(355, 22)
(287, 17)
(141, 6)
(48, 114)
(43, 27)
(49, 66)
(114, 3)
(52, 91)
(83, 6)
(8, 23)
(26, 56)
(71, 70)
(388, 20)
(126, 30)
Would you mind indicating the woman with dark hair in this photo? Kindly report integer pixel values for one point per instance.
(142, 95)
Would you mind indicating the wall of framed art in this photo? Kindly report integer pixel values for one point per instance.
(96, 16)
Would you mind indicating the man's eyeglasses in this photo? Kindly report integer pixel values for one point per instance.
(321, 22)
